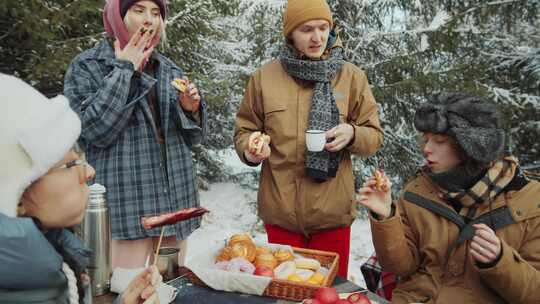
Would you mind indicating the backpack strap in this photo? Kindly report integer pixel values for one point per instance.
(435, 207)
(495, 219)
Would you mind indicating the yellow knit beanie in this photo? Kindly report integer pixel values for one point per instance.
(300, 11)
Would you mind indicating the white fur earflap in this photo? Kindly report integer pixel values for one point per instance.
(35, 133)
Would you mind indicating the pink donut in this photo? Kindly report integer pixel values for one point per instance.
(222, 265)
(239, 264)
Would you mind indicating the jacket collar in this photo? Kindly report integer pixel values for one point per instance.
(104, 51)
(429, 189)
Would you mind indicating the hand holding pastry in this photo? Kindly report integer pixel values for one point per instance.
(380, 181)
(190, 99)
(375, 194)
(258, 147)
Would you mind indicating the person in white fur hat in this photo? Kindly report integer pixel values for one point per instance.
(43, 191)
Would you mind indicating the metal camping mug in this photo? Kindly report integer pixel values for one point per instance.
(167, 262)
(96, 232)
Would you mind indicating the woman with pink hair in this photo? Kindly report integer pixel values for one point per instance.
(138, 130)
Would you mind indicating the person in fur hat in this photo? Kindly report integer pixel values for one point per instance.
(138, 129)
(44, 193)
(466, 228)
(306, 198)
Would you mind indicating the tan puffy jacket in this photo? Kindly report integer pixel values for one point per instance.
(414, 244)
(278, 105)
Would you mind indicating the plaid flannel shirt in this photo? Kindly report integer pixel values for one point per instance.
(120, 139)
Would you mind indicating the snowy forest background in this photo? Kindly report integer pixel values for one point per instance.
(409, 49)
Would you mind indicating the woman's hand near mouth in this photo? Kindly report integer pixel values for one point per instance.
(136, 50)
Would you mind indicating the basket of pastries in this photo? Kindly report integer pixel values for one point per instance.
(291, 273)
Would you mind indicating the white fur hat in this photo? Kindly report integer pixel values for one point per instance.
(35, 133)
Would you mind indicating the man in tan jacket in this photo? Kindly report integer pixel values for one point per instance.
(306, 198)
(467, 228)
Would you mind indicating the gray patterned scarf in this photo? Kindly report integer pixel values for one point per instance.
(324, 113)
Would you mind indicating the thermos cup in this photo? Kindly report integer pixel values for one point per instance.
(96, 233)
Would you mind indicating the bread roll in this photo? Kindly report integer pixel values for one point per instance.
(261, 250)
(316, 279)
(179, 84)
(256, 142)
(284, 270)
(304, 274)
(266, 259)
(380, 182)
(283, 255)
(224, 254)
(245, 250)
(306, 263)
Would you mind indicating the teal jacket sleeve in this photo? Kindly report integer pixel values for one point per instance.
(27, 259)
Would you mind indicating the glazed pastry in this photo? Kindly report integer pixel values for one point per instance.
(256, 142)
(283, 255)
(243, 249)
(380, 182)
(238, 238)
(260, 250)
(266, 259)
(224, 254)
(179, 84)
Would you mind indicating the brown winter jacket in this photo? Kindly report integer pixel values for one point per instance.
(414, 244)
(278, 105)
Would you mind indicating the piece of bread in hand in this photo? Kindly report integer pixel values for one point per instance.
(380, 181)
(179, 84)
(257, 141)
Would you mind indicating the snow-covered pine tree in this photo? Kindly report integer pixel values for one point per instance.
(38, 39)
(413, 48)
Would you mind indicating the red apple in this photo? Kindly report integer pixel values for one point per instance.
(264, 271)
(358, 298)
(311, 301)
(342, 301)
(326, 295)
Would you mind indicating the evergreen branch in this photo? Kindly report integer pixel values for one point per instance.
(508, 96)
(453, 19)
(58, 42)
(70, 4)
(413, 153)
(180, 14)
(397, 83)
(173, 18)
(13, 27)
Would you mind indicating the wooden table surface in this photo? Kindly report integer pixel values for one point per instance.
(104, 299)
(193, 294)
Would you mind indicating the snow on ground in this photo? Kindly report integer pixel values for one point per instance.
(233, 210)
